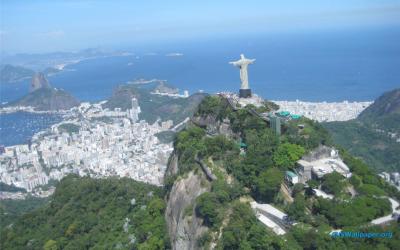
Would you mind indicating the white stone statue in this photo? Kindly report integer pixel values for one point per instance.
(242, 65)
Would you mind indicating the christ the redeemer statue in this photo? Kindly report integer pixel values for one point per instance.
(242, 64)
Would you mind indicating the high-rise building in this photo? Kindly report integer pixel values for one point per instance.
(135, 103)
(133, 113)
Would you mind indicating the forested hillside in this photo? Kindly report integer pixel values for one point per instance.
(375, 134)
(87, 213)
(257, 173)
(223, 160)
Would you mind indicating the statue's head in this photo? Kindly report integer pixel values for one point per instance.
(241, 56)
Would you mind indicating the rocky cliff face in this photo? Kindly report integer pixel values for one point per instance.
(39, 81)
(183, 226)
(213, 126)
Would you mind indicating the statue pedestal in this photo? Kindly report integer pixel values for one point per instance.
(244, 93)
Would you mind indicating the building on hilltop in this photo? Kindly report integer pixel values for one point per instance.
(323, 160)
(292, 177)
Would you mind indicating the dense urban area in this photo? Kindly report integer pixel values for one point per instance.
(101, 142)
(91, 141)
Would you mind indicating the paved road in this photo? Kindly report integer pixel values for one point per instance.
(389, 217)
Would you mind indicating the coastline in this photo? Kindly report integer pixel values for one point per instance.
(29, 109)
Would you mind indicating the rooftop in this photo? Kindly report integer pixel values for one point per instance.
(291, 174)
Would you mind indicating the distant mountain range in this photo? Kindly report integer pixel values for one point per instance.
(13, 74)
(10, 73)
(44, 97)
(43, 61)
(375, 134)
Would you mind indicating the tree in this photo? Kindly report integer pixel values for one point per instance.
(371, 190)
(297, 208)
(50, 245)
(313, 183)
(268, 184)
(156, 207)
(86, 213)
(221, 190)
(297, 188)
(218, 146)
(355, 180)
(287, 154)
(360, 210)
(333, 183)
(260, 147)
(258, 237)
(243, 231)
(210, 105)
(206, 208)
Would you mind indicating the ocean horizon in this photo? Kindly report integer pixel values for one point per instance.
(353, 66)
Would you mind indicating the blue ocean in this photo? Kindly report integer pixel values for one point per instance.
(354, 65)
(18, 128)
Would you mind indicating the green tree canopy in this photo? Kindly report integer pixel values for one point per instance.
(206, 208)
(287, 154)
(333, 183)
(268, 184)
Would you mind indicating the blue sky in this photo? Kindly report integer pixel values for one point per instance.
(50, 25)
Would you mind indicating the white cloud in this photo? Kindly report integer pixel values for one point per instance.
(174, 54)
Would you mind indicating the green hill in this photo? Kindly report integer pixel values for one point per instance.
(386, 104)
(87, 213)
(370, 136)
(47, 99)
(154, 106)
(257, 174)
(384, 113)
(11, 210)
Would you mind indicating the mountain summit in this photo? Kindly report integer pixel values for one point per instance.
(42, 96)
(375, 134)
(39, 80)
(384, 113)
(386, 104)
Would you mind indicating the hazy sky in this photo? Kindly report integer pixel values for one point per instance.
(49, 25)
